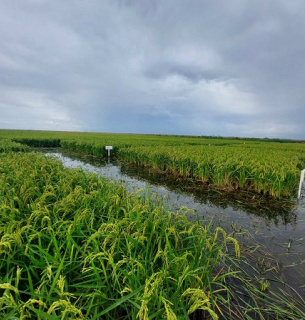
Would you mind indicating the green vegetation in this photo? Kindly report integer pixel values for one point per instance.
(74, 246)
(268, 169)
(9, 145)
(39, 143)
(262, 166)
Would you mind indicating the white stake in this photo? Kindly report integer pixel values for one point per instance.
(301, 182)
(108, 148)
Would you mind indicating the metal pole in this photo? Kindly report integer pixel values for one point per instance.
(108, 153)
(301, 182)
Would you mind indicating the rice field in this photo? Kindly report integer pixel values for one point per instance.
(75, 246)
(7, 145)
(266, 167)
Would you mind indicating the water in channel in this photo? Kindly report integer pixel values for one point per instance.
(278, 228)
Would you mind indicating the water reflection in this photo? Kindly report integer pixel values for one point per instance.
(279, 212)
(277, 226)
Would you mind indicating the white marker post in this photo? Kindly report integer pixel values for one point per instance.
(301, 182)
(109, 148)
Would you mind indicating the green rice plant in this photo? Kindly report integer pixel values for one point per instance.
(39, 142)
(270, 168)
(73, 246)
(7, 145)
(260, 168)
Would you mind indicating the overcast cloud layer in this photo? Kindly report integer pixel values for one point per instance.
(232, 68)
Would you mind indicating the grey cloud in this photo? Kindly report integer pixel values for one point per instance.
(197, 67)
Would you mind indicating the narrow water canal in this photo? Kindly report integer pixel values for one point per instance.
(277, 227)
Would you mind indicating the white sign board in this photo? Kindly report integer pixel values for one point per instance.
(108, 148)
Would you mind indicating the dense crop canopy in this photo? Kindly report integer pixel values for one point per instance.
(74, 246)
(261, 166)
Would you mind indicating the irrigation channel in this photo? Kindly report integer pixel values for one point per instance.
(274, 230)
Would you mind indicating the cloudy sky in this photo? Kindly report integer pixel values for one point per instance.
(194, 67)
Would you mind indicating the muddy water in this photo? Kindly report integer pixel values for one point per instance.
(277, 227)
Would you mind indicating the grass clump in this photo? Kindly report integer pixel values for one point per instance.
(74, 246)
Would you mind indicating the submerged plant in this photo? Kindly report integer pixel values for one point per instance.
(264, 285)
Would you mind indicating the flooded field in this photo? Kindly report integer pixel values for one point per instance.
(274, 228)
